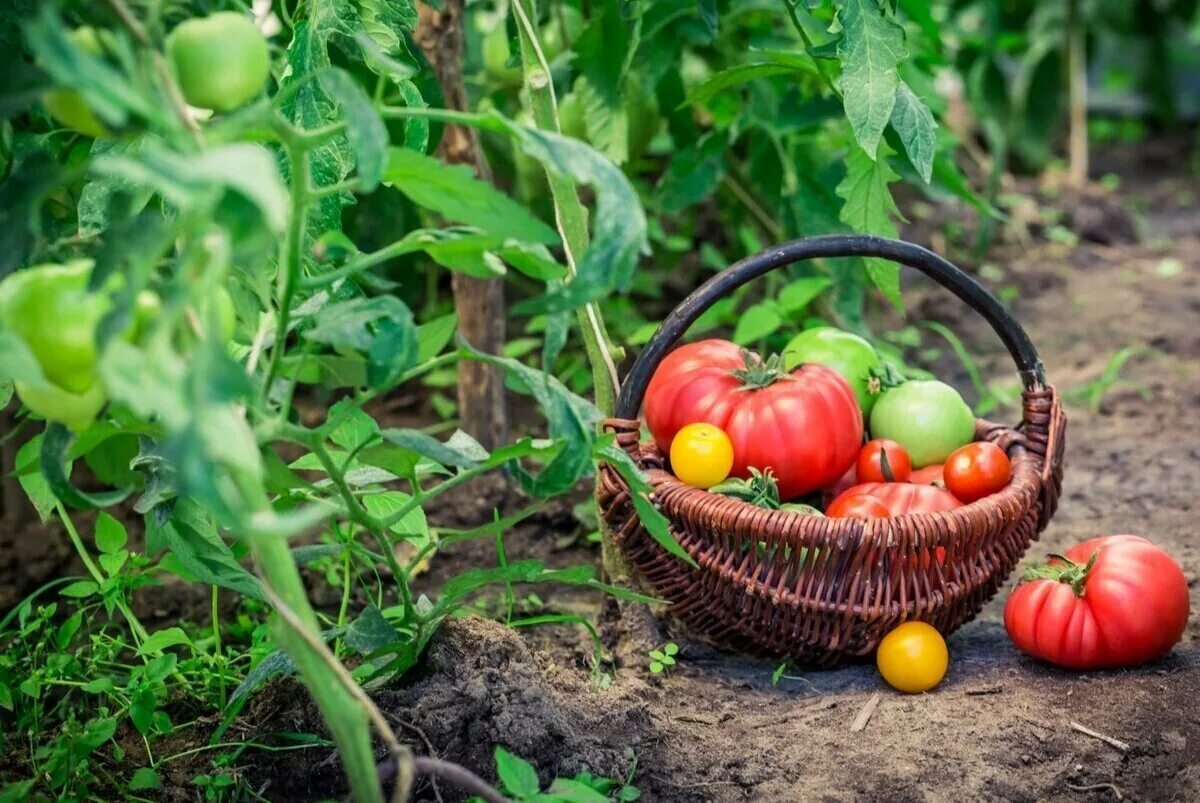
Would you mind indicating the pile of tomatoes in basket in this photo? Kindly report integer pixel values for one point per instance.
(793, 427)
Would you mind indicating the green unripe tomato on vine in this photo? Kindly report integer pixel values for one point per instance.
(67, 106)
(495, 58)
(50, 309)
(221, 61)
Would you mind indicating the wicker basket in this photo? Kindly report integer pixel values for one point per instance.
(824, 591)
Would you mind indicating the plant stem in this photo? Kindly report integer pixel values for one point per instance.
(569, 213)
(174, 96)
(337, 696)
(218, 654)
(135, 626)
(808, 47)
(289, 260)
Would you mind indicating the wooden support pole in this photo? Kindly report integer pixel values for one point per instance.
(478, 302)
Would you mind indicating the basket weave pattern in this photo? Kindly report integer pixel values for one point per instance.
(824, 591)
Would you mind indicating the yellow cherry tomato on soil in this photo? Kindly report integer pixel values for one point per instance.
(913, 657)
(701, 455)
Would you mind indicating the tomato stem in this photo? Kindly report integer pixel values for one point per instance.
(758, 373)
(1071, 572)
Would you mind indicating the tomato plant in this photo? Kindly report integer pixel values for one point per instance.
(928, 418)
(1111, 601)
(68, 106)
(901, 498)
(913, 657)
(882, 460)
(976, 470)
(805, 426)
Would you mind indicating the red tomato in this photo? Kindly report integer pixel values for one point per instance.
(902, 497)
(1117, 600)
(857, 507)
(930, 475)
(805, 425)
(977, 470)
(882, 460)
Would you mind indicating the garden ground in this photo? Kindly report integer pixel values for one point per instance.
(1001, 726)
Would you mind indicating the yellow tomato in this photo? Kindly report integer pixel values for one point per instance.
(913, 657)
(701, 455)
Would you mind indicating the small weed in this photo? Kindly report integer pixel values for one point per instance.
(519, 782)
(662, 659)
(1093, 393)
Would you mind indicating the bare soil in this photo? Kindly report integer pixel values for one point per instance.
(1001, 726)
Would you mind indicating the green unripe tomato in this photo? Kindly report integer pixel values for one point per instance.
(851, 356)
(67, 106)
(221, 61)
(73, 410)
(216, 310)
(495, 57)
(49, 308)
(928, 418)
(562, 28)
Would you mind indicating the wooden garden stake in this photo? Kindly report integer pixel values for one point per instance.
(478, 302)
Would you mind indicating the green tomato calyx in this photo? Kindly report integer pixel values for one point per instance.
(1062, 569)
(885, 378)
(758, 373)
(760, 489)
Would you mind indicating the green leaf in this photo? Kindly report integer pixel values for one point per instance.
(571, 421)
(871, 48)
(355, 428)
(145, 778)
(868, 207)
(96, 198)
(196, 181)
(757, 322)
(519, 777)
(56, 441)
(433, 336)
(453, 192)
(412, 527)
(367, 134)
(693, 174)
(80, 589)
(795, 297)
(110, 534)
(461, 454)
(734, 76)
(917, 129)
(191, 536)
(370, 632)
(650, 517)
(162, 639)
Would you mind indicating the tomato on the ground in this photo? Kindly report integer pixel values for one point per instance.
(701, 455)
(882, 460)
(926, 417)
(805, 425)
(977, 470)
(1117, 600)
(221, 61)
(913, 657)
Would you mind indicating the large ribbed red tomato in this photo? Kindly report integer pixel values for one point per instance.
(1113, 601)
(900, 497)
(806, 425)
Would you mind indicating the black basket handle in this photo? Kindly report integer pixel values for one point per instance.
(940, 270)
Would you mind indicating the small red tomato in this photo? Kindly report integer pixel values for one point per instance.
(930, 475)
(977, 470)
(857, 507)
(882, 460)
